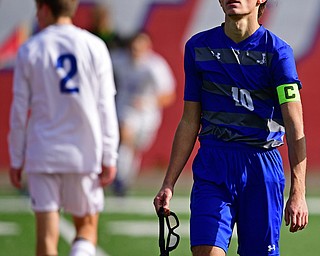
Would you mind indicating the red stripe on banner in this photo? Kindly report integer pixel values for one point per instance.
(308, 70)
(9, 47)
(167, 27)
(6, 78)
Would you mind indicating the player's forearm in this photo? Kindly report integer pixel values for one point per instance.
(110, 145)
(182, 147)
(16, 148)
(292, 115)
(110, 131)
(298, 162)
(17, 135)
(111, 136)
(19, 113)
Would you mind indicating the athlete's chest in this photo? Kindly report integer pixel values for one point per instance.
(244, 68)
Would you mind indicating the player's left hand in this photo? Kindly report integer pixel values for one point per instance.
(107, 175)
(296, 213)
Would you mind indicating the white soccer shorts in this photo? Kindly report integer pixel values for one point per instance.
(77, 194)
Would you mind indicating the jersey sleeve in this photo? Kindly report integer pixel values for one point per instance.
(193, 81)
(107, 110)
(284, 67)
(19, 113)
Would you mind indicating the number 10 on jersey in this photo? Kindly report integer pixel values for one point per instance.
(242, 98)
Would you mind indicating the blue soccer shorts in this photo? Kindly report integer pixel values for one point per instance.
(237, 185)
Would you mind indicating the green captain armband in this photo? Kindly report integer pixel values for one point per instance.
(288, 93)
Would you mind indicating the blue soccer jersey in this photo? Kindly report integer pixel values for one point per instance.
(236, 85)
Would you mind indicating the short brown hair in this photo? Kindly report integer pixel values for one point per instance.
(262, 7)
(60, 7)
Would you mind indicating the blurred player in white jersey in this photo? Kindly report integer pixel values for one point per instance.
(145, 85)
(63, 126)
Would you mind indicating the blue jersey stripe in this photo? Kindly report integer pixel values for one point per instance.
(233, 56)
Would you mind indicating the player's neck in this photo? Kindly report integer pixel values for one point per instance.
(240, 29)
(63, 21)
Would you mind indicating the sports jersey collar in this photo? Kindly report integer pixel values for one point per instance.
(257, 34)
(58, 26)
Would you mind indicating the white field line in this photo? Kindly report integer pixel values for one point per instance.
(22, 204)
(142, 205)
(136, 205)
(139, 205)
(9, 229)
(147, 228)
(143, 228)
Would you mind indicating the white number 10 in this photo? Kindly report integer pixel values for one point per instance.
(243, 98)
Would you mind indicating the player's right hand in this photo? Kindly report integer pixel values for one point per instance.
(15, 177)
(107, 175)
(162, 199)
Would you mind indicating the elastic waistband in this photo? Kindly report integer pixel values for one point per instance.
(230, 145)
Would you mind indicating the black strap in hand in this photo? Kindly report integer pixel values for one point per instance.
(172, 222)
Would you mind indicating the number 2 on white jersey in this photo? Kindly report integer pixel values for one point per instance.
(67, 69)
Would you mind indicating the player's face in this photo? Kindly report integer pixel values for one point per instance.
(140, 46)
(239, 8)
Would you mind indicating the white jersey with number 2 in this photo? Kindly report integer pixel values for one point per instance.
(63, 116)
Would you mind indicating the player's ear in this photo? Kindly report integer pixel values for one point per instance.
(45, 9)
(48, 14)
(261, 1)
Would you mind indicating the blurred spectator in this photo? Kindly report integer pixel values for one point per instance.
(145, 85)
(102, 26)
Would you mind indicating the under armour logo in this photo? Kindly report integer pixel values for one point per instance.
(264, 59)
(271, 248)
(216, 55)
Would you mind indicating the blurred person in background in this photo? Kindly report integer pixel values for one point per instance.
(102, 26)
(145, 85)
(63, 128)
(241, 98)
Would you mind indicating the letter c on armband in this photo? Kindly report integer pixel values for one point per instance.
(288, 93)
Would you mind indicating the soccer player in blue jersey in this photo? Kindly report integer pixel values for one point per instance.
(241, 97)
